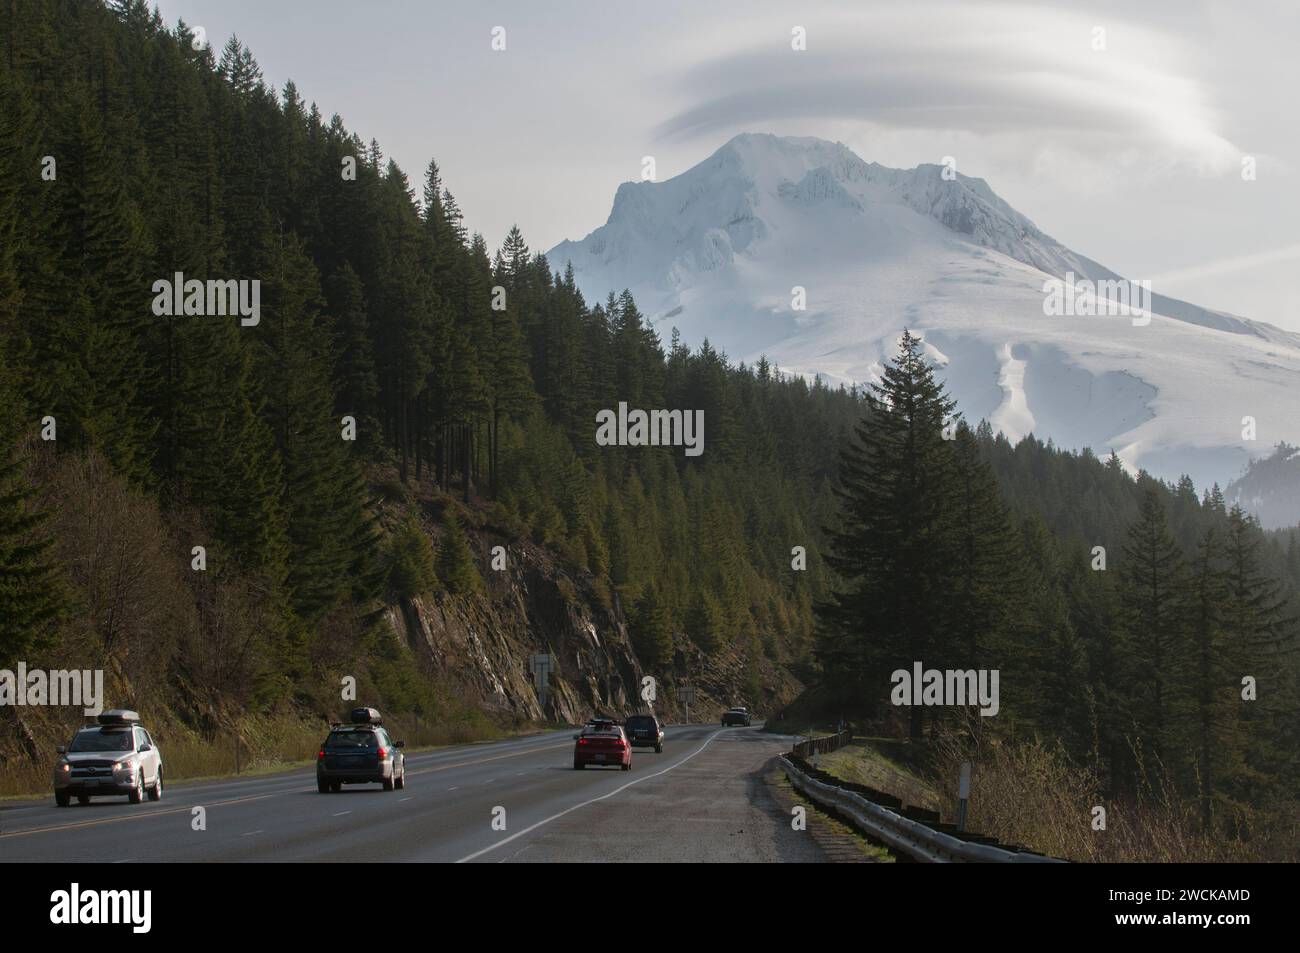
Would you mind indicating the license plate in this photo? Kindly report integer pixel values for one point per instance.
(92, 783)
(600, 757)
(642, 734)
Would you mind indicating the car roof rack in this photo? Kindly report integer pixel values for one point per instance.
(118, 718)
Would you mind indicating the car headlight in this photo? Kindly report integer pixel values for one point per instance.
(124, 767)
(63, 767)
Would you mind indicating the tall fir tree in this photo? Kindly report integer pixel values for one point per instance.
(986, 553)
(1154, 574)
(1214, 657)
(893, 549)
(32, 594)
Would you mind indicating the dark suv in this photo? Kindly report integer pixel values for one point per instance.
(360, 752)
(644, 731)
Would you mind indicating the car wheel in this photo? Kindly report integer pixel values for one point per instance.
(659, 749)
(156, 792)
(390, 782)
(137, 792)
(628, 766)
(401, 779)
(578, 766)
(336, 787)
(62, 798)
(322, 786)
(83, 799)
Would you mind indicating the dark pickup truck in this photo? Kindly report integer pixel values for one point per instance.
(735, 716)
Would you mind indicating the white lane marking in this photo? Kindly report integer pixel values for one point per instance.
(570, 810)
(400, 799)
(251, 833)
(189, 790)
(509, 744)
(294, 776)
(511, 754)
(341, 813)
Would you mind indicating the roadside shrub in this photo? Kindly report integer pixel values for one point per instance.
(456, 561)
(1032, 793)
(411, 561)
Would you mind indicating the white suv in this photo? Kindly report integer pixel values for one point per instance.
(116, 756)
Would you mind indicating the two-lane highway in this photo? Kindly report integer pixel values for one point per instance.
(703, 798)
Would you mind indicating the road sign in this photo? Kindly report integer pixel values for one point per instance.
(541, 666)
(687, 695)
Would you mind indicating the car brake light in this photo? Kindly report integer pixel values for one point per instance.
(383, 753)
(582, 741)
(320, 755)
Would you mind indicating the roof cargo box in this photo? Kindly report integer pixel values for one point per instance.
(119, 716)
(366, 716)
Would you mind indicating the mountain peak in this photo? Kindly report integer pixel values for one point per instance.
(769, 160)
(752, 146)
(703, 216)
(722, 250)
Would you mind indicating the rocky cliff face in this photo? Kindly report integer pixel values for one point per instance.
(477, 646)
(536, 605)
(483, 643)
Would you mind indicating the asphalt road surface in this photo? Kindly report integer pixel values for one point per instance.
(705, 798)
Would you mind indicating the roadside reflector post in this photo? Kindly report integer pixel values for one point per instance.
(963, 795)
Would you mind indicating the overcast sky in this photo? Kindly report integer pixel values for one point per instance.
(1131, 155)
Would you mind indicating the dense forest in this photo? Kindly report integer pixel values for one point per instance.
(134, 153)
(1149, 631)
(474, 371)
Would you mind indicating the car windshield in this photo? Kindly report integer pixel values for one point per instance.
(351, 739)
(102, 739)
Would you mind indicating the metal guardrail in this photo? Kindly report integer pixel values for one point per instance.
(823, 745)
(901, 834)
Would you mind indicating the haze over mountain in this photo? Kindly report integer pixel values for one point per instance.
(717, 250)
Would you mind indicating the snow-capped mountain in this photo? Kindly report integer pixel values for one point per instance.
(718, 251)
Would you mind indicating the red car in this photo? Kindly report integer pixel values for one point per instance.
(602, 743)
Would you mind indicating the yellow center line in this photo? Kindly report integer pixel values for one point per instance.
(137, 817)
